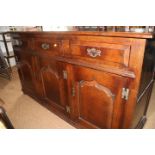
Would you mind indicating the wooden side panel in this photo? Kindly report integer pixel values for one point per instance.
(141, 108)
(148, 66)
(146, 83)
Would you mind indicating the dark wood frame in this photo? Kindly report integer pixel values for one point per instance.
(8, 54)
(4, 68)
(5, 119)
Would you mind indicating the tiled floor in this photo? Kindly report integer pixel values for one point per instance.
(26, 113)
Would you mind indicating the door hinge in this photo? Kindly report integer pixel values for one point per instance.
(64, 74)
(73, 91)
(125, 93)
(68, 109)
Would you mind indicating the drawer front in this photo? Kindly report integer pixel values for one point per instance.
(107, 53)
(47, 46)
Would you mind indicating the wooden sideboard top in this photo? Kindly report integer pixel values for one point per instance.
(94, 33)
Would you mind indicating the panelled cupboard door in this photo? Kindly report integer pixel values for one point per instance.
(25, 66)
(97, 98)
(53, 83)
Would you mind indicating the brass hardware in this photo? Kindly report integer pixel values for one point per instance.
(64, 74)
(45, 46)
(73, 91)
(68, 109)
(125, 93)
(55, 45)
(93, 52)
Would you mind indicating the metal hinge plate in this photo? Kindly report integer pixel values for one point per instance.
(68, 109)
(125, 93)
(73, 91)
(64, 74)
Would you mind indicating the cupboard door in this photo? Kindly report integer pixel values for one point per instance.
(26, 70)
(97, 98)
(53, 83)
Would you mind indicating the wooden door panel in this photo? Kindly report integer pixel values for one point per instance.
(51, 86)
(103, 99)
(53, 83)
(26, 75)
(98, 98)
(26, 70)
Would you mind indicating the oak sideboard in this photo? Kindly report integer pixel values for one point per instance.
(89, 79)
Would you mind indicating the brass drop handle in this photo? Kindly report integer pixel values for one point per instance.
(45, 46)
(93, 52)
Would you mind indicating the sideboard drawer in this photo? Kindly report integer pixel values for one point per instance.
(49, 46)
(107, 53)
